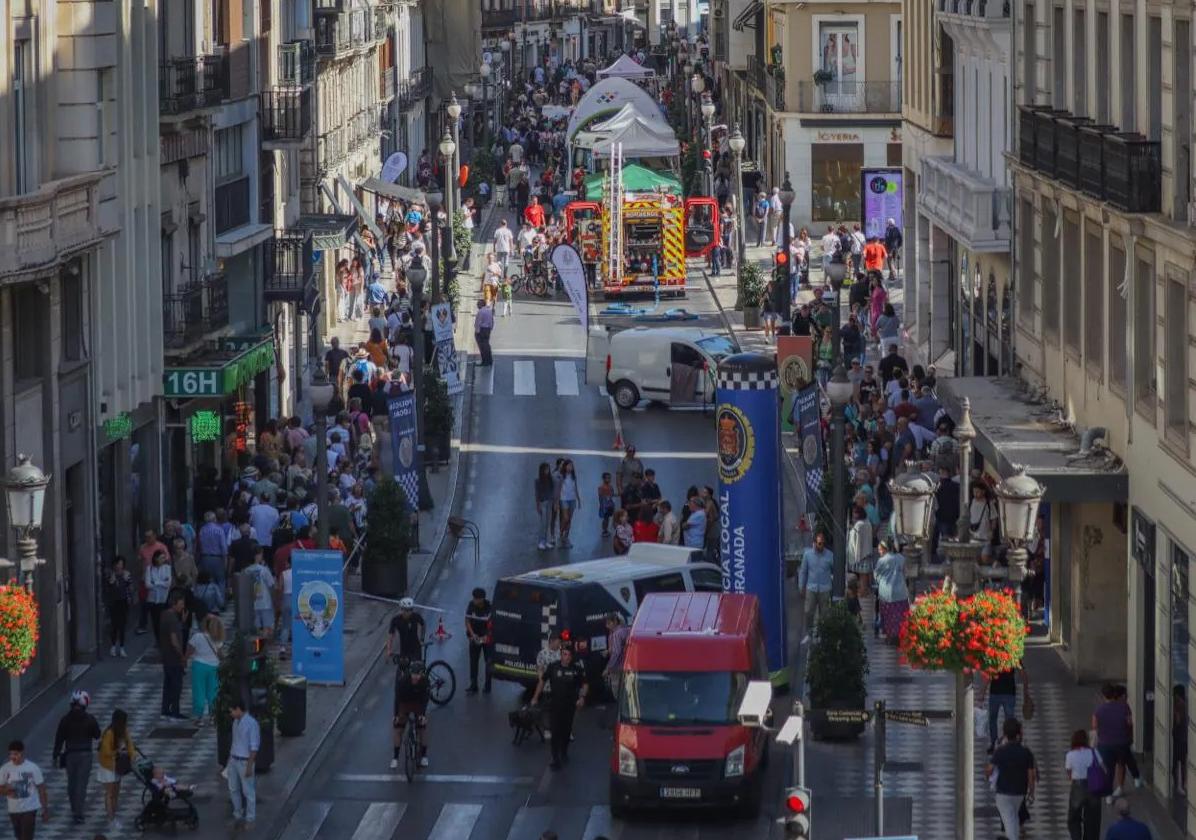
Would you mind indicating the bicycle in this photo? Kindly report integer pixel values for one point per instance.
(442, 681)
(535, 282)
(411, 747)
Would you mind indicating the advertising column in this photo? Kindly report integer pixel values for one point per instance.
(749, 492)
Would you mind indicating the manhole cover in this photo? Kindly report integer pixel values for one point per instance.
(173, 732)
(903, 766)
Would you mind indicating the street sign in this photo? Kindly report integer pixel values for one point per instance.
(840, 715)
(917, 717)
(192, 382)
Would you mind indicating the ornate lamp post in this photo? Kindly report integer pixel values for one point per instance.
(696, 85)
(453, 110)
(737, 144)
(448, 152)
(1018, 498)
(417, 274)
(25, 498)
(708, 135)
(838, 391)
(484, 70)
(783, 299)
(435, 202)
(913, 506)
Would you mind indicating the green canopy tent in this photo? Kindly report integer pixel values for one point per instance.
(636, 178)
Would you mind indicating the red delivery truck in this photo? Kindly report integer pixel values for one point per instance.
(678, 741)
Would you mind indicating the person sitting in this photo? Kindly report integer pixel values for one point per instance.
(168, 786)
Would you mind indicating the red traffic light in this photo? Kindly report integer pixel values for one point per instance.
(782, 257)
(795, 803)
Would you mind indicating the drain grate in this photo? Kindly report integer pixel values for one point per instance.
(173, 732)
(904, 766)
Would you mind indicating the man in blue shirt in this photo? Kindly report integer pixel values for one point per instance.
(694, 531)
(1127, 828)
(814, 582)
(246, 741)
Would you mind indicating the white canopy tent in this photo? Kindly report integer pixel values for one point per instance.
(628, 115)
(626, 67)
(639, 140)
(606, 99)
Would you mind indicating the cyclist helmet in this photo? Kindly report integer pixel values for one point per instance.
(406, 603)
(80, 698)
(417, 667)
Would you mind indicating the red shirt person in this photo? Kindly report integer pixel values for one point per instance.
(534, 213)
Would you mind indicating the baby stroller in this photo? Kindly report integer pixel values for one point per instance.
(161, 808)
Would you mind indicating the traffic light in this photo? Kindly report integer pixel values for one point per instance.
(780, 276)
(797, 812)
(255, 654)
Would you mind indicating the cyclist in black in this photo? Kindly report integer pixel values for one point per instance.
(407, 629)
(566, 680)
(411, 697)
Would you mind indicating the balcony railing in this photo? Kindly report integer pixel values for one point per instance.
(296, 63)
(849, 98)
(286, 115)
(332, 147)
(977, 8)
(340, 34)
(1092, 159)
(183, 317)
(1133, 172)
(386, 83)
(232, 205)
(1067, 149)
(289, 268)
(39, 228)
(180, 145)
(500, 18)
(765, 79)
(215, 287)
(977, 209)
(185, 84)
(415, 87)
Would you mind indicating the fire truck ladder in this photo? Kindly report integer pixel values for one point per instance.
(615, 257)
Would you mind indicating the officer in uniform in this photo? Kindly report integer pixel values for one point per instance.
(566, 680)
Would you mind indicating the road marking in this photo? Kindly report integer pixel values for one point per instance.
(380, 821)
(600, 824)
(507, 449)
(525, 379)
(443, 778)
(554, 352)
(307, 820)
(566, 378)
(602, 392)
(484, 381)
(531, 821)
(456, 821)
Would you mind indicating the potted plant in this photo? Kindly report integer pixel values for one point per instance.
(264, 701)
(384, 563)
(836, 671)
(438, 418)
(751, 280)
(823, 76)
(18, 628)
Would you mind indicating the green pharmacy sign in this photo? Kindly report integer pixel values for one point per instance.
(119, 427)
(218, 380)
(205, 426)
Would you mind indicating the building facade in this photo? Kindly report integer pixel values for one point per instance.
(1105, 308)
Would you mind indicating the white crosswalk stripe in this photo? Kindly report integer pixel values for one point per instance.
(525, 379)
(380, 821)
(566, 378)
(601, 824)
(484, 380)
(530, 821)
(456, 821)
(307, 820)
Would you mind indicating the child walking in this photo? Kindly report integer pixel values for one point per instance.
(606, 503)
(507, 295)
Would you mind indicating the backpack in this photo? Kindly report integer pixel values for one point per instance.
(1099, 782)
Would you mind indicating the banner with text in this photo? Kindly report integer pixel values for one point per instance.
(808, 416)
(881, 197)
(318, 616)
(567, 263)
(403, 447)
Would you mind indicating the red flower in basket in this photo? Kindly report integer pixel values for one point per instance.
(18, 628)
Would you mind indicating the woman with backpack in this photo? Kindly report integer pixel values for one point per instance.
(116, 760)
(1083, 803)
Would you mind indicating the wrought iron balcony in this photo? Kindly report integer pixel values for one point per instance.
(338, 35)
(976, 210)
(186, 84)
(1067, 149)
(42, 227)
(286, 116)
(174, 146)
(332, 147)
(1092, 159)
(232, 205)
(182, 317)
(769, 80)
(849, 97)
(1133, 172)
(500, 18)
(415, 87)
(289, 267)
(215, 287)
(296, 63)
(1045, 150)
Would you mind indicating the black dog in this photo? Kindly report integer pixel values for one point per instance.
(526, 721)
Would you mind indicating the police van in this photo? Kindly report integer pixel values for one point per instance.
(574, 600)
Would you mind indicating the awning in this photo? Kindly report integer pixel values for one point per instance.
(328, 230)
(366, 217)
(221, 372)
(747, 17)
(394, 191)
(1012, 432)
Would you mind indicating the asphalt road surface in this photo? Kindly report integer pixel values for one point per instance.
(533, 406)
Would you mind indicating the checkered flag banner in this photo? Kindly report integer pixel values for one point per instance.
(410, 484)
(740, 379)
(814, 481)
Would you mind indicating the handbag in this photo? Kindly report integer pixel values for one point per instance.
(1099, 782)
(1028, 708)
(124, 763)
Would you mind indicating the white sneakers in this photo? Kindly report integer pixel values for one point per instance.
(112, 651)
(543, 546)
(123, 655)
(423, 762)
(394, 764)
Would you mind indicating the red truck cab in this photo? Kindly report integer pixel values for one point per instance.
(678, 741)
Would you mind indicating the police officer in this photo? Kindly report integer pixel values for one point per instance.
(566, 680)
(481, 640)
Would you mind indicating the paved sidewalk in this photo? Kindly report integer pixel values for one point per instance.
(919, 776)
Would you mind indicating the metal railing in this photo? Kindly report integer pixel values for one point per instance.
(232, 205)
(289, 268)
(215, 288)
(415, 87)
(185, 84)
(849, 97)
(339, 34)
(180, 145)
(183, 316)
(296, 63)
(286, 114)
(332, 147)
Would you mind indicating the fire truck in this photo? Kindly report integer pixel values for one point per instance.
(635, 230)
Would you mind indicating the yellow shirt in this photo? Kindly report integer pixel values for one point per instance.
(108, 749)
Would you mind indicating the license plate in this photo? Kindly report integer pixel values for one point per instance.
(680, 793)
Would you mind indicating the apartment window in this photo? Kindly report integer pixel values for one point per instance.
(1144, 335)
(1154, 83)
(1058, 57)
(28, 332)
(1102, 68)
(1029, 55)
(835, 181)
(1127, 72)
(1028, 277)
(22, 151)
(1175, 398)
(1050, 273)
(73, 345)
(1117, 315)
(838, 45)
(1094, 299)
(1181, 91)
(1073, 292)
(1079, 68)
(229, 163)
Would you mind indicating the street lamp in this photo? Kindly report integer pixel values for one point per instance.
(453, 109)
(417, 274)
(435, 202)
(484, 70)
(737, 144)
(448, 151)
(708, 141)
(782, 290)
(913, 506)
(838, 391)
(25, 497)
(1018, 498)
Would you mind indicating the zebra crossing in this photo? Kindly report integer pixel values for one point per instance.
(530, 377)
(493, 820)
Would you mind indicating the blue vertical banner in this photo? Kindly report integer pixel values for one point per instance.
(748, 424)
(403, 445)
(318, 616)
(807, 412)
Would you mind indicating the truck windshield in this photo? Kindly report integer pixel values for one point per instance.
(679, 698)
(718, 346)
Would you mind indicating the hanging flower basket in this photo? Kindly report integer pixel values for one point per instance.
(18, 628)
(983, 632)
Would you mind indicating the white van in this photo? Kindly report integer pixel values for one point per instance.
(672, 365)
